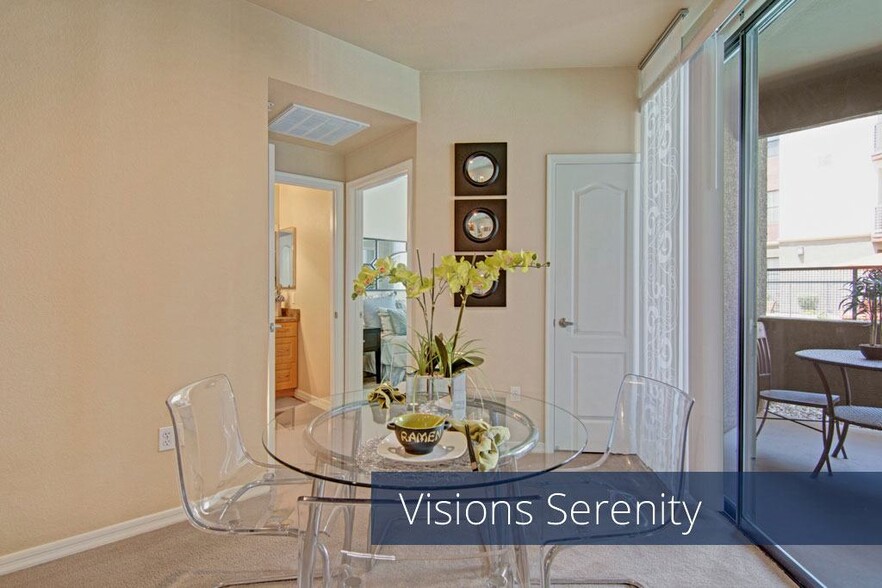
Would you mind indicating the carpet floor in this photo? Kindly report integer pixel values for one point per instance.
(182, 556)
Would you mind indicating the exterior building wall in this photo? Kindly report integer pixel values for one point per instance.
(822, 188)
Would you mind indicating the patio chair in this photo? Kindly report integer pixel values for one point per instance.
(793, 397)
(867, 417)
(223, 488)
(648, 434)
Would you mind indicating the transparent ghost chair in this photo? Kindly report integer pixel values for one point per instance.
(355, 560)
(648, 434)
(223, 488)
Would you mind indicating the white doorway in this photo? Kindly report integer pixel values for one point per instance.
(590, 288)
(378, 224)
(308, 211)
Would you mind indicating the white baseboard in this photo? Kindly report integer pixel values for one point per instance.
(57, 549)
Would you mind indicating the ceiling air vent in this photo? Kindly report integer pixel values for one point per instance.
(315, 125)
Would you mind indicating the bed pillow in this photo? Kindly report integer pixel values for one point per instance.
(385, 321)
(399, 321)
(371, 306)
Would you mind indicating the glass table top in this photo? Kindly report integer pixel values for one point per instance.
(337, 438)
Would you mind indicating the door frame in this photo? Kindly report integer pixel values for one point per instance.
(742, 35)
(552, 161)
(336, 262)
(271, 291)
(354, 228)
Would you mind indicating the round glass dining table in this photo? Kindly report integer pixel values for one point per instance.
(337, 439)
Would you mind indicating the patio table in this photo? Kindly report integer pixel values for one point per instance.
(335, 440)
(843, 359)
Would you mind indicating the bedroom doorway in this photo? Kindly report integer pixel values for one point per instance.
(378, 212)
(307, 290)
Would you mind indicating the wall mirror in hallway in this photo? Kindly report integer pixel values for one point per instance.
(286, 257)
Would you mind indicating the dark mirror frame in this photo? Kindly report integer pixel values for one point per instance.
(463, 185)
(462, 208)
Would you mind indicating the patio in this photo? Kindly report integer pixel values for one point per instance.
(787, 447)
(784, 446)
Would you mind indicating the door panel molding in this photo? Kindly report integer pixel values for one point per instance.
(584, 199)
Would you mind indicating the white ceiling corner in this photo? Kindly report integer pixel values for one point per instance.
(463, 35)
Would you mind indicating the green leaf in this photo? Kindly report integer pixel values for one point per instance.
(443, 357)
(463, 363)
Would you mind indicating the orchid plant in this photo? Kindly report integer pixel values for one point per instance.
(434, 354)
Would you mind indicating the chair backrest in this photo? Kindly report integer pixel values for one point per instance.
(763, 358)
(649, 429)
(213, 464)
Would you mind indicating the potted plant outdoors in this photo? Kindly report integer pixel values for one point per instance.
(439, 362)
(864, 299)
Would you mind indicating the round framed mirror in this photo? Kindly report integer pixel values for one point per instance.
(481, 168)
(480, 225)
(481, 293)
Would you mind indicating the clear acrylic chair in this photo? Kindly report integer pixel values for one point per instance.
(357, 561)
(223, 488)
(648, 434)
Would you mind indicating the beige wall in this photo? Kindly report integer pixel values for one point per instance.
(309, 211)
(139, 254)
(297, 159)
(536, 112)
(382, 154)
(133, 211)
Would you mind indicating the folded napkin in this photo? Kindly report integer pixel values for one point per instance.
(485, 439)
(385, 395)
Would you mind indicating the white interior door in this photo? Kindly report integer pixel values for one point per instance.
(591, 201)
(355, 220)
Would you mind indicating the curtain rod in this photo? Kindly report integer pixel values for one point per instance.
(661, 39)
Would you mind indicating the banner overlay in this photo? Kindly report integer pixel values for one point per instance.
(645, 508)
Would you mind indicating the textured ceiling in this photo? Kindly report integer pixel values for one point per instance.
(817, 34)
(492, 34)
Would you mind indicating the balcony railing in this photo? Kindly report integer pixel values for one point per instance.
(809, 292)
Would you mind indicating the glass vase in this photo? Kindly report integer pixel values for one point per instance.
(447, 393)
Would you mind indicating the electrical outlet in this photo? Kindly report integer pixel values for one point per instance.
(166, 439)
(515, 392)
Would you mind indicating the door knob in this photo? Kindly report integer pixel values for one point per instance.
(564, 323)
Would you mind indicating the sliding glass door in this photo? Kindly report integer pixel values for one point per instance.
(801, 138)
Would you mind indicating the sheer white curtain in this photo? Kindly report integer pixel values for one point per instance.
(687, 249)
(661, 232)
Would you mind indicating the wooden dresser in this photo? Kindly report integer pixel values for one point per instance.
(286, 353)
